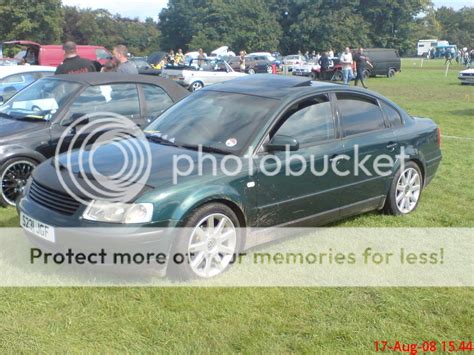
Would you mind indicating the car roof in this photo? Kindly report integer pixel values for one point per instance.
(285, 88)
(17, 69)
(271, 86)
(173, 89)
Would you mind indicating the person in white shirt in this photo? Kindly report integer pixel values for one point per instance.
(346, 62)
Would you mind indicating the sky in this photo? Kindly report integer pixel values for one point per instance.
(151, 8)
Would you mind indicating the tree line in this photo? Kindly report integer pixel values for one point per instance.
(272, 25)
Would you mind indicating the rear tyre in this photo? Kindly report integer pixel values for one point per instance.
(13, 174)
(391, 73)
(251, 71)
(209, 243)
(405, 190)
(337, 76)
(197, 85)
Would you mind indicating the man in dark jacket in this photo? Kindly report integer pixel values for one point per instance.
(324, 62)
(361, 61)
(73, 64)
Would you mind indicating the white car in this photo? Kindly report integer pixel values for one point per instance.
(291, 60)
(14, 78)
(467, 76)
(306, 69)
(200, 73)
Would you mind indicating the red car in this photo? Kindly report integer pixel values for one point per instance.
(53, 54)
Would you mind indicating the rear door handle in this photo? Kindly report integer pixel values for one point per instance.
(392, 145)
(336, 157)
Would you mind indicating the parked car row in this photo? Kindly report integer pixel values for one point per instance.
(385, 62)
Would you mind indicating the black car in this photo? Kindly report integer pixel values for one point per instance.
(253, 64)
(33, 120)
(385, 61)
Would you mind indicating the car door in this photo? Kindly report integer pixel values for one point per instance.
(292, 194)
(154, 101)
(368, 144)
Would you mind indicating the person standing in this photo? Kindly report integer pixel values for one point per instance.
(179, 57)
(73, 64)
(324, 64)
(201, 58)
(242, 61)
(346, 62)
(361, 62)
(171, 57)
(125, 66)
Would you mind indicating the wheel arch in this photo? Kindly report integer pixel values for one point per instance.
(33, 155)
(233, 205)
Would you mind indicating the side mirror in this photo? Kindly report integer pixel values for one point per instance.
(281, 143)
(75, 117)
(1, 100)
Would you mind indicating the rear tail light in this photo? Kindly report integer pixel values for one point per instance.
(439, 137)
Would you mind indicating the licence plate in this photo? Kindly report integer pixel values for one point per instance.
(39, 229)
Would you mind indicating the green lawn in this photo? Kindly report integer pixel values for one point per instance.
(278, 319)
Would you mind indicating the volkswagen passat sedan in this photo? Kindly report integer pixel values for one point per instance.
(32, 122)
(249, 124)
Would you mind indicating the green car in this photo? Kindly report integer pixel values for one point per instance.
(256, 152)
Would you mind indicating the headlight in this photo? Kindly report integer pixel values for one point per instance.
(119, 212)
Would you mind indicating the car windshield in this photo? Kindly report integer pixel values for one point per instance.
(219, 121)
(39, 101)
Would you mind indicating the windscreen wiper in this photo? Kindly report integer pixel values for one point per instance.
(160, 139)
(206, 149)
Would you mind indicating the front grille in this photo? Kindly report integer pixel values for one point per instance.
(54, 200)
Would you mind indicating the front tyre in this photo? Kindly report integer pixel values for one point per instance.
(210, 241)
(13, 174)
(405, 191)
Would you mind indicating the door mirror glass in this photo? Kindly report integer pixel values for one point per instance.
(280, 143)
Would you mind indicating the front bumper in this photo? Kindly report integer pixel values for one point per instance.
(81, 236)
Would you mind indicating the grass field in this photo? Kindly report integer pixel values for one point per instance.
(278, 319)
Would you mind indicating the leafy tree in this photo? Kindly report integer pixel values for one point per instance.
(39, 21)
(240, 24)
(325, 25)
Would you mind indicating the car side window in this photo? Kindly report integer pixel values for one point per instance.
(310, 122)
(121, 99)
(156, 100)
(102, 54)
(359, 114)
(14, 79)
(392, 115)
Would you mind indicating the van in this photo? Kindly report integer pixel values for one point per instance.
(53, 54)
(385, 61)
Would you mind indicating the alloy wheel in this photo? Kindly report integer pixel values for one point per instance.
(212, 245)
(408, 190)
(196, 86)
(14, 179)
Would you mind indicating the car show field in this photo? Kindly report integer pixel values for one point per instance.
(250, 320)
